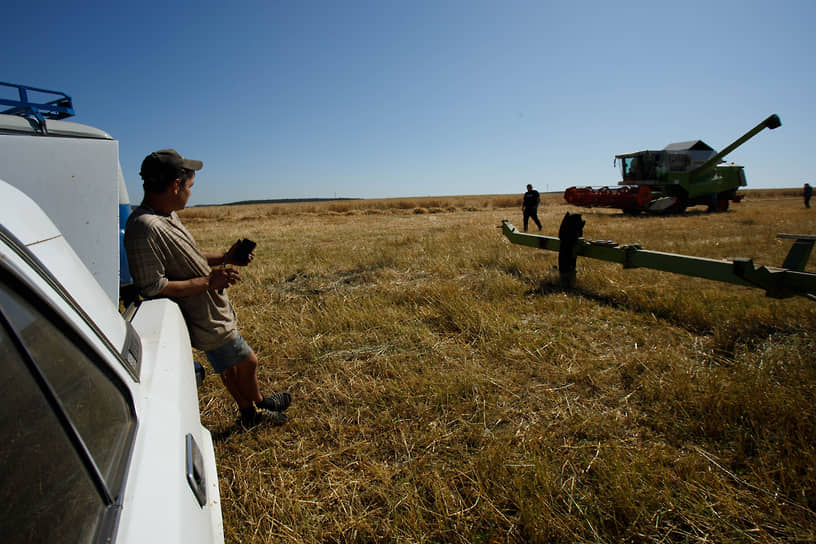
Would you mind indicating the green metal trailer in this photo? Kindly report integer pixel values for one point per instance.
(788, 280)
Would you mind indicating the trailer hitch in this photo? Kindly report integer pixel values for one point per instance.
(778, 282)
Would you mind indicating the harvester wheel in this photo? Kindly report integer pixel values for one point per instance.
(681, 204)
(719, 205)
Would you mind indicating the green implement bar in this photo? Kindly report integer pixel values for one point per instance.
(783, 282)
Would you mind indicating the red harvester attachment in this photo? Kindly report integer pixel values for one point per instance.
(631, 197)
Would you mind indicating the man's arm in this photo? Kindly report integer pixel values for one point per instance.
(185, 288)
(214, 259)
(218, 279)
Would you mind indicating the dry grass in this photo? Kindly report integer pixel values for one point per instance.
(446, 391)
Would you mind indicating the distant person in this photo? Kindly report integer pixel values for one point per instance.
(808, 193)
(529, 206)
(165, 261)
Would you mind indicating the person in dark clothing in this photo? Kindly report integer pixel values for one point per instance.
(529, 206)
(808, 193)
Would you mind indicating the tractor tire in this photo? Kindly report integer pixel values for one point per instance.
(721, 203)
(681, 204)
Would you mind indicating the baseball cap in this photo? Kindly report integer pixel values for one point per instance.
(167, 159)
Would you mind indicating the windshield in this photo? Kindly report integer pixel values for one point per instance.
(640, 167)
(630, 167)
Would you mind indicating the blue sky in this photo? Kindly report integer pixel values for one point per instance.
(298, 99)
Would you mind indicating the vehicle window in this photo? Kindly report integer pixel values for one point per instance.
(630, 165)
(679, 163)
(46, 495)
(649, 166)
(97, 408)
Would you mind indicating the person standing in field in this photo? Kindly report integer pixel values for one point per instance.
(808, 193)
(165, 261)
(529, 206)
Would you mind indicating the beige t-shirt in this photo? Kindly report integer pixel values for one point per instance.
(160, 250)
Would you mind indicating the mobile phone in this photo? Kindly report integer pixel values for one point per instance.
(245, 247)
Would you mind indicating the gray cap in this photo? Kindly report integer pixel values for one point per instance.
(166, 159)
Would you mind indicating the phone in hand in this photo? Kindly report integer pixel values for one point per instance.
(245, 247)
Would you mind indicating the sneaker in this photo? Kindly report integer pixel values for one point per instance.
(251, 418)
(277, 402)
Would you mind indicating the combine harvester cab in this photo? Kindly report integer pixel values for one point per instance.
(681, 175)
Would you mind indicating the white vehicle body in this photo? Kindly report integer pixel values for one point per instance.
(73, 173)
(100, 435)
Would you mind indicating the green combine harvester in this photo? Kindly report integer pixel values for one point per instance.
(683, 174)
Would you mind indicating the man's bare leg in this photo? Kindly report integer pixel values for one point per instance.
(241, 380)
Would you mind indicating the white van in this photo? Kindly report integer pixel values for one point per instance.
(100, 435)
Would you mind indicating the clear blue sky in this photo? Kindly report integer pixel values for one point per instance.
(301, 98)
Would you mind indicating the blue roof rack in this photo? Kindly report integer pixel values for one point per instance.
(37, 112)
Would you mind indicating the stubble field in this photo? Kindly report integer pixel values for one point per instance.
(446, 390)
